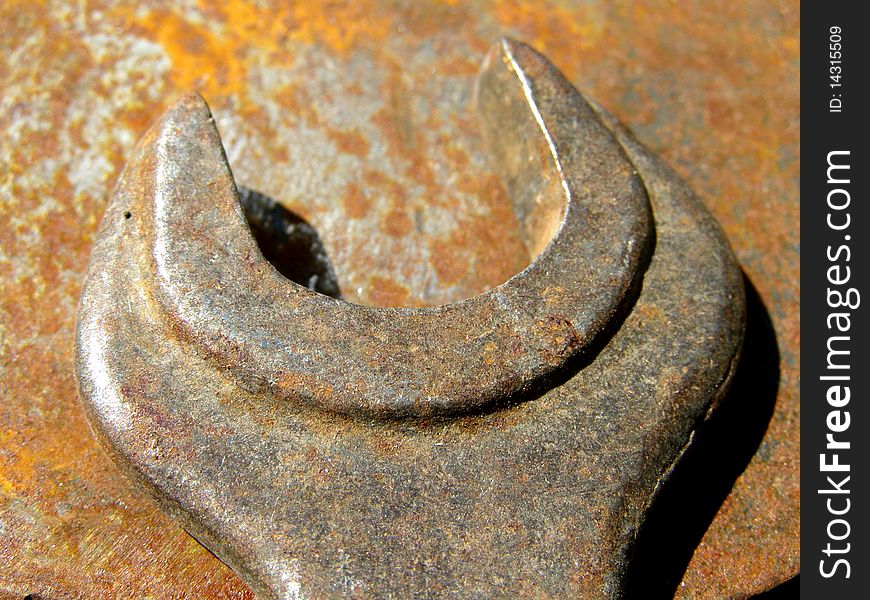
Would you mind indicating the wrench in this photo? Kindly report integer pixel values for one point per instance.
(505, 445)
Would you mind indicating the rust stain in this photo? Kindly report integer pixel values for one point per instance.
(201, 57)
(349, 142)
(404, 140)
(387, 293)
(397, 223)
(356, 203)
(298, 103)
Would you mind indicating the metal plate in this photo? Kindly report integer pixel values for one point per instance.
(374, 92)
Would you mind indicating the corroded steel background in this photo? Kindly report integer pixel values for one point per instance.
(355, 116)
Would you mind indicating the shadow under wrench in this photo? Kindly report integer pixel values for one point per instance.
(705, 475)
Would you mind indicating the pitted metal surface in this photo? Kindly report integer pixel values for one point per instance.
(507, 444)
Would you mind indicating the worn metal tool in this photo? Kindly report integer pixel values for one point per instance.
(504, 445)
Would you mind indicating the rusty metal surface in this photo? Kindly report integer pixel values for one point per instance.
(372, 95)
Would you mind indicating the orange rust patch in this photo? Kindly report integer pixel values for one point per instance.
(562, 334)
(448, 261)
(648, 312)
(581, 27)
(297, 100)
(489, 353)
(397, 223)
(356, 203)
(385, 444)
(402, 140)
(384, 292)
(492, 241)
(203, 58)
(260, 121)
(341, 25)
(427, 19)
(214, 55)
(349, 142)
(378, 179)
(291, 382)
(459, 66)
(456, 155)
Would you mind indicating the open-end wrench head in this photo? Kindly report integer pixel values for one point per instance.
(507, 444)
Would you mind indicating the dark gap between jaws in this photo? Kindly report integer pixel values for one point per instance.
(289, 242)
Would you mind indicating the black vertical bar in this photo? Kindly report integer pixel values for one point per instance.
(835, 364)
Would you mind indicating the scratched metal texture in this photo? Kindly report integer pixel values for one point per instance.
(354, 115)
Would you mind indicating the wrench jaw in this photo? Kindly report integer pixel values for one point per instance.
(290, 432)
(523, 152)
(557, 158)
(219, 293)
